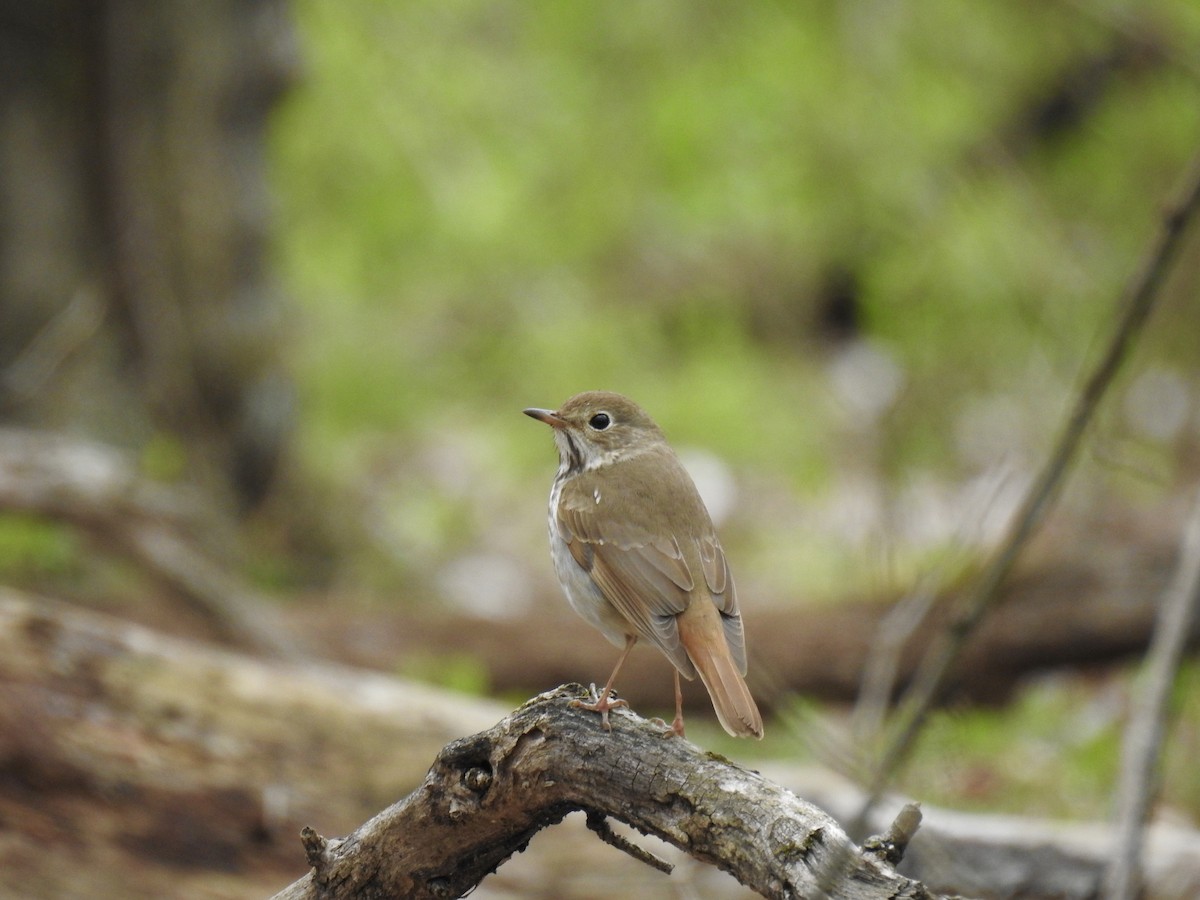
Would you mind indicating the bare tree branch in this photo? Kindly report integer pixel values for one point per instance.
(1148, 723)
(487, 795)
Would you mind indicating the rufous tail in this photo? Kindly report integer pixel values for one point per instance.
(702, 636)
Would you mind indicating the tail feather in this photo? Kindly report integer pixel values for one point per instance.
(704, 639)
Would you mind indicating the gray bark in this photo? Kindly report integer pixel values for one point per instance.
(487, 795)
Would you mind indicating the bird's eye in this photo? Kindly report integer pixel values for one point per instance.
(600, 421)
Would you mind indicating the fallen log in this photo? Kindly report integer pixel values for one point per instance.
(134, 764)
(1066, 612)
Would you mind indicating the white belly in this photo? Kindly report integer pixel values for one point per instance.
(582, 593)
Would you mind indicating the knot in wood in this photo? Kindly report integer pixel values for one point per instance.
(477, 779)
(890, 846)
(792, 841)
(882, 848)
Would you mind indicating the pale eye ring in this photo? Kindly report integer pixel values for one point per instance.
(600, 421)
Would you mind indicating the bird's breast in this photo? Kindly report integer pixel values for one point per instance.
(582, 592)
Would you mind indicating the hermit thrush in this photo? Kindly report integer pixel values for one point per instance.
(637, 555)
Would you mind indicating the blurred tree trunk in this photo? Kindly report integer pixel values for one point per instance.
(135, 299)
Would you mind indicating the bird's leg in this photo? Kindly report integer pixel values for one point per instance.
(603, 704)
(677, 725)
(675, 729)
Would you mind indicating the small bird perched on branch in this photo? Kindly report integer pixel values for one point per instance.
(637, 555)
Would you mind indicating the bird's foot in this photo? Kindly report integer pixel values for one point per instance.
(675, 729)
(602, 703)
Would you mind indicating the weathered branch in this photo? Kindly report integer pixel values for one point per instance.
(487, 795)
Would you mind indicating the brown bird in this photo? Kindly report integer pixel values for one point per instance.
(637, 555)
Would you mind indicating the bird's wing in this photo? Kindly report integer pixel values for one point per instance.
(719, 580)
(647, 577)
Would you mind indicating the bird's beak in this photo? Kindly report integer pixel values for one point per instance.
(545, 415)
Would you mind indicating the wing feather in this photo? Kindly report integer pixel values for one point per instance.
(647, 577)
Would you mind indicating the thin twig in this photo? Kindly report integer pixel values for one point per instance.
(1138, 301)
(598, 822)
(1148, 723)
(882, 665)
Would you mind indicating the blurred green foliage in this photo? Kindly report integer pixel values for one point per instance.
(33, 549)
(485, 206)
(489, 206)
(454, 671)
(1053, 752)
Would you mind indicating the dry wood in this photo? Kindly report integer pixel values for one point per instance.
(487, 795)
(220, 716)
(137, 764)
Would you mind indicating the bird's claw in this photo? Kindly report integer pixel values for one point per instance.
(675, 729)
(601, 704)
